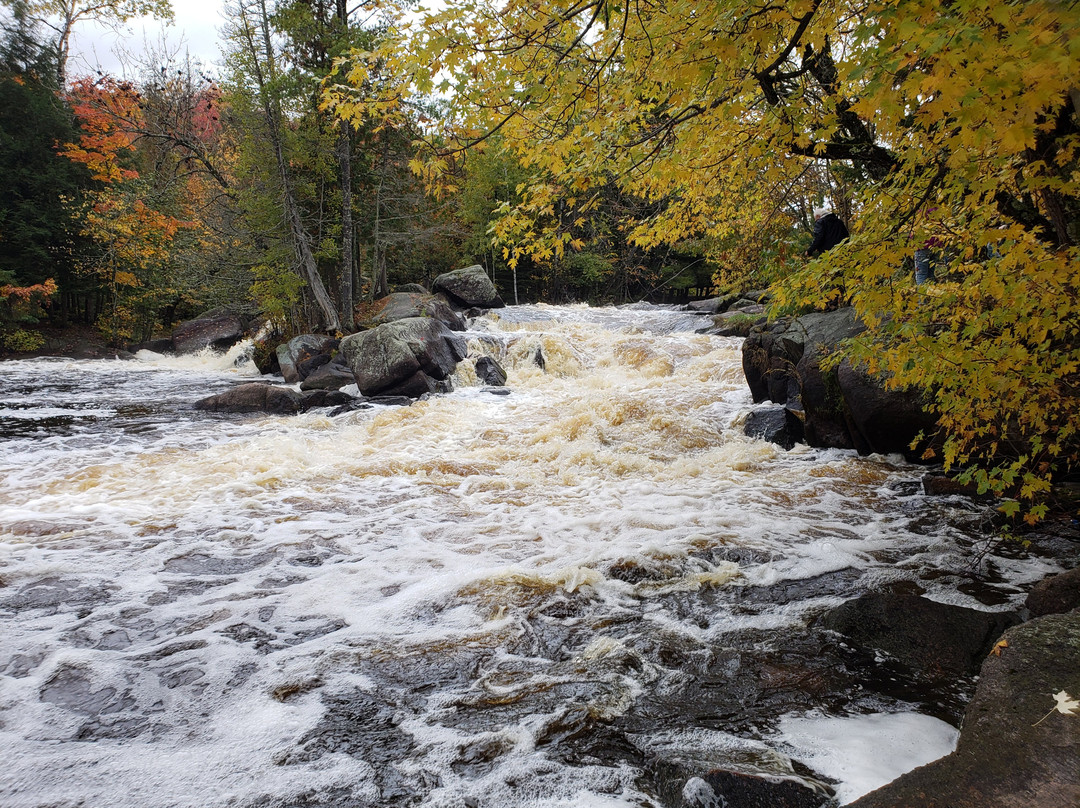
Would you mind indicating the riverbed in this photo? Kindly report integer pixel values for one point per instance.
(581, 593)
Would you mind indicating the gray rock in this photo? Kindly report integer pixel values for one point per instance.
(219, 329)
(490, 372)
(1015, 749)
(331, 376)
(777, 425)
(401, 305)
(254, 397)
(292, 354)
(407, 357)
(467, 287)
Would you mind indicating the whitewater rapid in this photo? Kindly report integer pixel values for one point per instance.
(476, 600)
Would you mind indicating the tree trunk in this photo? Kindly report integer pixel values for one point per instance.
(301, 245)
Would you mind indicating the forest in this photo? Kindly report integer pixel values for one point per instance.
(592, 151)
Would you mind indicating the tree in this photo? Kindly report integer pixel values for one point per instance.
(124, 215)
(257, 59)
(39, 235)
(61, 16)
(958, 122)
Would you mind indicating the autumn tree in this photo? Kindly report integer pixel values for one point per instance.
(957, 124)
(129, 223)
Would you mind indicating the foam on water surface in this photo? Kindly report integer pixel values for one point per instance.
(470, 599)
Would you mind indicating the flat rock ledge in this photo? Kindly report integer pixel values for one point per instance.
(1016, 749)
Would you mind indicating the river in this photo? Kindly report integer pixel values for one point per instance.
(582, 593)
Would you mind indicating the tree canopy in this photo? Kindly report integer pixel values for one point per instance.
(957, 123)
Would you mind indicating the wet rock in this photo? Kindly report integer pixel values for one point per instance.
(468, 287)
(496, 391)
(404, 358)
(777, 425)
(936, 639)
(713, 305)
(161, 346)
(331, 376)
(723, 789)
(401, 305)
(219, 329)
(538, 358)
(254, 397)
(1055, 595)
(938, 485)
(490, 372)
(1015, 749)
(326, 398)
(291, 355)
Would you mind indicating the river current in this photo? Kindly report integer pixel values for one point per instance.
(583, 593)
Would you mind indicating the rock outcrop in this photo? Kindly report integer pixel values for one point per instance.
(841, 405)
(219, 329)
(294, 356)
(407, 357)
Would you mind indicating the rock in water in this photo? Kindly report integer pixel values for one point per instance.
(407, 357)
(490, 372)
(468, 287)
(219, 329)
(254, 397)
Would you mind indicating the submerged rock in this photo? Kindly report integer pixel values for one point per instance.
(936, 639)
(1016, 748)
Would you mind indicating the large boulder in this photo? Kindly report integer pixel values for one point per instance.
(402, 305)
(1019, 746)
(218, 329)
(468, 287)
(254, 397)
(296, 353)
(841, 405)
(404, 358)
(936, 639)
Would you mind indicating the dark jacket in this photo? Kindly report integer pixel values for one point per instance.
(828, 232)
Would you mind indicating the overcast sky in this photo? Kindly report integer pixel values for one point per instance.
(194, 29)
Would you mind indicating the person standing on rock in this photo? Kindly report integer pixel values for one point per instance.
(828, 232)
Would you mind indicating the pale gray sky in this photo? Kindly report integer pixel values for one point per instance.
(194, 30)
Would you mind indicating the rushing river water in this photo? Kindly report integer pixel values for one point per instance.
(583, 593)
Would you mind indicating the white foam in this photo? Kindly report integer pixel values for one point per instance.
(865, 752)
